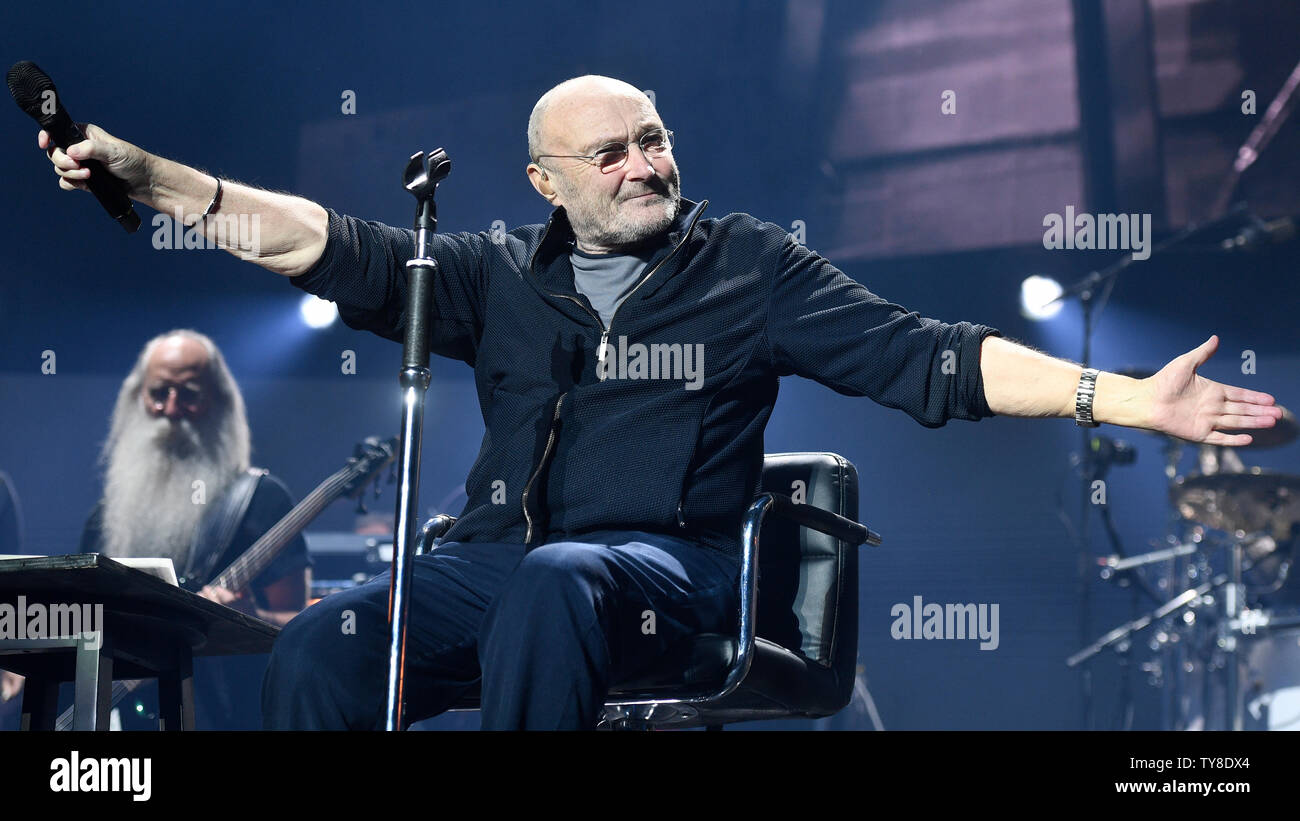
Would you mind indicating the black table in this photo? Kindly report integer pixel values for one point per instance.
(146, 629)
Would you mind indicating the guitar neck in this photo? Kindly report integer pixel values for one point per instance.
(264, 550)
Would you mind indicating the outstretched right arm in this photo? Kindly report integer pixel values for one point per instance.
(292, 231)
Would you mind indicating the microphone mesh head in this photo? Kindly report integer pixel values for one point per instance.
(28, 84)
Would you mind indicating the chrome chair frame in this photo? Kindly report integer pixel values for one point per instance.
(648, 709)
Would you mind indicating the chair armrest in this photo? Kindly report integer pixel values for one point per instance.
(823, 521)
(832, 524)
(432, 531)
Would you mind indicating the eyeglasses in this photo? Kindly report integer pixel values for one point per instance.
(185, 395)
(612, 156)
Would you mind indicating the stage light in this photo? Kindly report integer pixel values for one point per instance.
(317, 313)
(1035, 293)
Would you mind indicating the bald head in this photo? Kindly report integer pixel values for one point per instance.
(628, 196)
(574, 100)
(180, 349)
(178, 353)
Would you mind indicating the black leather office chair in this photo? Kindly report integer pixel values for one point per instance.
(796, 650)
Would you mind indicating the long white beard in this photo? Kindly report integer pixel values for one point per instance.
(151, 502)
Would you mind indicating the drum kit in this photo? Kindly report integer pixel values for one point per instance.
(1225, 638)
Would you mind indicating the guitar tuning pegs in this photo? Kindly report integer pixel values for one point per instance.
(361, 505)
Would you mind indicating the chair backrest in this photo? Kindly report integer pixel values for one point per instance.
(808, 581)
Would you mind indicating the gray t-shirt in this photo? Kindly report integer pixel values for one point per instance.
(606, 279)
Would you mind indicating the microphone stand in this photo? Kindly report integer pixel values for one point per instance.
(421, 178)
(1125, 572)
(1274, 116)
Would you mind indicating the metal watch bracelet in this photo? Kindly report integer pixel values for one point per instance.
(1083, 396)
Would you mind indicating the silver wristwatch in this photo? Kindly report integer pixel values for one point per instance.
(1083, 397)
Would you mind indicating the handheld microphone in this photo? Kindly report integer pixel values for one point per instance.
(35, 94)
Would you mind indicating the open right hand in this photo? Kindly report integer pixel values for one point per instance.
(129, 163)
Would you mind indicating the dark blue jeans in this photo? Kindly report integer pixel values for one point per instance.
(547, 631)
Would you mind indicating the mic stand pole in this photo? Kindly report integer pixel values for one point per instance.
(421, 179)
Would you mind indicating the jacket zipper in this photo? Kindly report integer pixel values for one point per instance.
(550, 442)
(600, 352)
(604, 331)
(604, 335)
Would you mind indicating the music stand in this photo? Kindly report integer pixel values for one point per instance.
(148, 629)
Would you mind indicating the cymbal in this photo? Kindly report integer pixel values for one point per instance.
(1283, 432)
(1251, 502)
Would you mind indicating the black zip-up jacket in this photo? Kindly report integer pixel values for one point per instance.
(566, 452)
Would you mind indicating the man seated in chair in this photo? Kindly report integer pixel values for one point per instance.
(626, 357)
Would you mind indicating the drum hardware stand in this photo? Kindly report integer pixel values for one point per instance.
(1234, 594)
(1240, 622)
(1188, 598)
(1253, 622)
(1119, 564)
(1174, 656)
(421, 178)
(1237, 623)
(1121, 638)
(1124, 571)
(1086, 290)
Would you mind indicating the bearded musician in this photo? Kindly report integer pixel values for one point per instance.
(178, 485)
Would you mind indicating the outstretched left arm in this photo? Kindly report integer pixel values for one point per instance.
(1019, 381)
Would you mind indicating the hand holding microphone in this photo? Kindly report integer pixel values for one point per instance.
(127, 163)
(88, 159)
(292, 231)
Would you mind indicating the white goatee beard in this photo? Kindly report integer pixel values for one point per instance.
(596, 224)
(150, 506)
